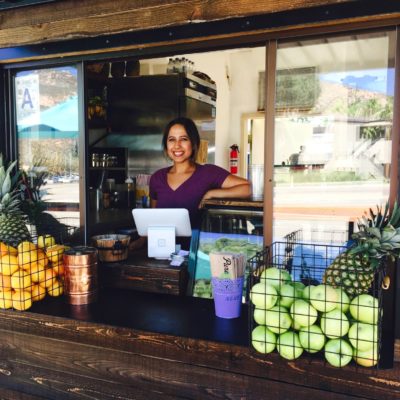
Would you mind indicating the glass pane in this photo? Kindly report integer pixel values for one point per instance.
(47, 132)
(333, 127)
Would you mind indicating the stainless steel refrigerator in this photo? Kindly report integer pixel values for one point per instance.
(140, 107)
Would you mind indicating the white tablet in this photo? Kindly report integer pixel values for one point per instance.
(162, 225)
(162, 217)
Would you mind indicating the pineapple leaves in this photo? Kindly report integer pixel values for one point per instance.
(395, 218)
(388, 233)
(2, 175)
(378, 233)
(374, 232)
(6, 186)
(5, 179)
(9, 188)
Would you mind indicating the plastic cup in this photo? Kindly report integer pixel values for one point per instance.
(227, 295)
(256, 176)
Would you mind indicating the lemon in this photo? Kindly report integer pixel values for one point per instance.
(8, 264)
(3, 249)
(27, 257)
(33, 266)
(42, 258)
(49, 279)
(5, 283)
(20, 280)
(38, 292)
(21, 300)
(38, 273)
(6, 299)
(7, 249)
(56, 289)
(46, 241)
(55, 253)
(26, 246)
(59, 268)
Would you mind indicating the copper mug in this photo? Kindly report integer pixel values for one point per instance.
(81, 275)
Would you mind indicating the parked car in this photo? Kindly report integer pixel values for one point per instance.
(66, 179)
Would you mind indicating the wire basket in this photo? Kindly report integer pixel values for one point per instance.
(33, 267)
(338, 236)
(301, 303)
(65, 230)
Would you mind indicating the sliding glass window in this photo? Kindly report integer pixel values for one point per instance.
(333, 132)
(46, 104)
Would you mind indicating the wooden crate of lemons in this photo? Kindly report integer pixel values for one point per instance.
(30, 272)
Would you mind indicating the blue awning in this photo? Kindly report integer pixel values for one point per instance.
(60, 121)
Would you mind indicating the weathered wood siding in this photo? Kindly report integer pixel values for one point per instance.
(56, 358)
(84, 18)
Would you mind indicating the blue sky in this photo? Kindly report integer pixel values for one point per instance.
(375, 80)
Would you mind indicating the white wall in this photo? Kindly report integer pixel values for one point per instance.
(235, 73)
(216, 65)
(245, 66)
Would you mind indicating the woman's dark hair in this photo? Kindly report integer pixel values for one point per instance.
(191, 130)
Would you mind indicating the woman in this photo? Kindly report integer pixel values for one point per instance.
(187, 184)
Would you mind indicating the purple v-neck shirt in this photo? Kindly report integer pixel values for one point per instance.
(189, 194)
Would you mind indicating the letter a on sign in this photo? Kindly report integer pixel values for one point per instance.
(27, 99)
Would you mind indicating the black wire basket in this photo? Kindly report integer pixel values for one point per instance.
(303, 302)
(33, 268)
(65, 230)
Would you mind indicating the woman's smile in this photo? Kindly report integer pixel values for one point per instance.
(179, 147)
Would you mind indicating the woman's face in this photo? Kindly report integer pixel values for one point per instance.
(179, 146)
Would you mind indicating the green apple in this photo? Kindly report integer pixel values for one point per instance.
(323, 298)
(259, 316)
(287, 294)
(367, 358)
(295, 326)
(363, 336)
(303, 313)
(338, 352)
(299, 287)
(275, 277)
(343, 303)
(306, 292)
(364, 308)
(278, 319)
(334, 324)
(263, 295)
(289, 346)
(312, 338)
(263, 340)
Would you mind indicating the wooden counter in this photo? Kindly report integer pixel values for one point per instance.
(133, 345)
(247, 203)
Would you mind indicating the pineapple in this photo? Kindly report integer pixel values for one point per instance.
(378, 237)
(12, 226)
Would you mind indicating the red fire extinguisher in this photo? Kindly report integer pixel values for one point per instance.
(234, 159)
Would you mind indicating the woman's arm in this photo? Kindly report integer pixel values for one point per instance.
(232, 187)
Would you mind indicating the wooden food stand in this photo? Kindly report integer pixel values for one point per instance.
(138, 346)
(156, 343)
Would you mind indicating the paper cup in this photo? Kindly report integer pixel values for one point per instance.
(227, 295)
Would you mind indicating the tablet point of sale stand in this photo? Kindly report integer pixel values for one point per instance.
(161, 226)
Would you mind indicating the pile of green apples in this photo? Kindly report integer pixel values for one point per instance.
(292, 318)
